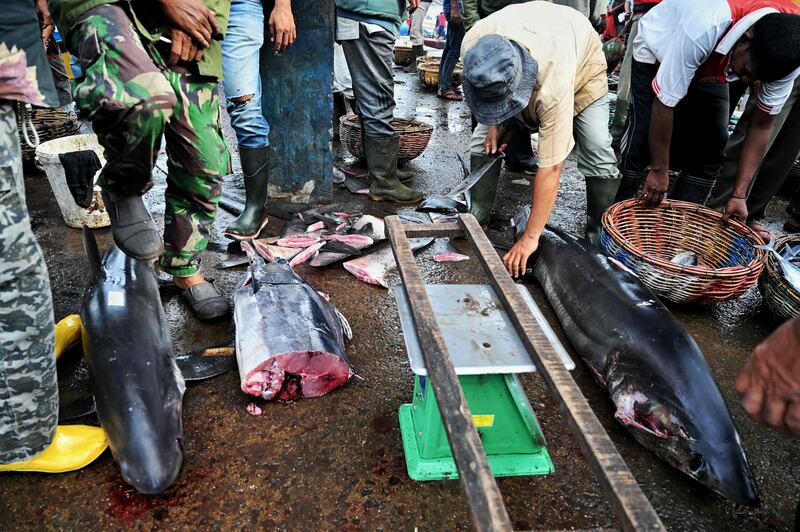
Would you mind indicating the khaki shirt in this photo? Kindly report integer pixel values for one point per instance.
(572, 68)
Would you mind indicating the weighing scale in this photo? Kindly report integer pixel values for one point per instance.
(487, 355)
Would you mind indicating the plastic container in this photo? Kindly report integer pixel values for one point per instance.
(47, 158)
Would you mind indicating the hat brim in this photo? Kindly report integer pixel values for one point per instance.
(497, 112)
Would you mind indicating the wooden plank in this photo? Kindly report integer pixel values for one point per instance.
(629, 503)
(477, 480)
(435, 230)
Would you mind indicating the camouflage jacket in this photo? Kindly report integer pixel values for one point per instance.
(66, 13)
(24, 72)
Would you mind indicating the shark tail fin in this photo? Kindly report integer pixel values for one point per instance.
(92, 253)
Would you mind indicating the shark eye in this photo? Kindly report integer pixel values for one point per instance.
(696, 463)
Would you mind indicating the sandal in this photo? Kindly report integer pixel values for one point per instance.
(450, 94)
(206, 301)
(761, 231)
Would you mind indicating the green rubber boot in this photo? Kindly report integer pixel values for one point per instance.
(600, 194)
(484, 192)
(381, 153)
(255, 167)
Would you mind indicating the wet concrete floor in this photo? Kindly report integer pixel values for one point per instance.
(336, 462)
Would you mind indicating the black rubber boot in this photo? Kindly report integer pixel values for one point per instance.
(484, 192)
(134, 231)
(600, 194)
(692, 188)
(519, 153)
(404, 176)
(255, 167)
(339, 110)
(417, 50)
(381, 154)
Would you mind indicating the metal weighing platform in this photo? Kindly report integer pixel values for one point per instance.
(436, 340)
(487, 354)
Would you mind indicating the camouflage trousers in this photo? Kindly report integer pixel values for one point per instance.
(133, 100)
(28, 387)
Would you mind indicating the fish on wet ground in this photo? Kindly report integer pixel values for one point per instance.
(664, 392)
(450, 256)
(136, 383)
(289, 338)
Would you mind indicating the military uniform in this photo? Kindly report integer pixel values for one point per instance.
(132, 99)
(28, 386)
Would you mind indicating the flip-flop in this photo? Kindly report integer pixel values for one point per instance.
(450, 94)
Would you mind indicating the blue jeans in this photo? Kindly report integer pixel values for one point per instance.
(240, 66)
(452, 49)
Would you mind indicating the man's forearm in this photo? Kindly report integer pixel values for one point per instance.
(660, 136)
(753, 150)
(545, 190)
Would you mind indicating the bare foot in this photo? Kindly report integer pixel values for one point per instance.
(761, 231)
(185, 282)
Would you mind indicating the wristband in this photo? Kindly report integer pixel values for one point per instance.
(734, 196)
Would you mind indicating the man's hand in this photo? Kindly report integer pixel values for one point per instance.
(184, 48)
(770, 381)
(282, 30)
(455, 14)
(516, 260)
(496, 140)
(412, 6)
(193, 18)
(655, 188)
(736, 208)
(47, 32)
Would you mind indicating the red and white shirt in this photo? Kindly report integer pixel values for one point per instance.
(690, 38)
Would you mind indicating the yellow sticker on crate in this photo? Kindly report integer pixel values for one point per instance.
(483, 420)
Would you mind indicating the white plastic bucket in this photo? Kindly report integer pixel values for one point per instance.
(47, 157)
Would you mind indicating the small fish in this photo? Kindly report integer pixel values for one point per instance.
(685, 258)
(449, 256)
(306, 254)
(299, 241)
(355, 240)
(376, 267)
(317, 226)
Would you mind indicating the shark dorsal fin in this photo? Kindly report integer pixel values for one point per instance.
(92, 253)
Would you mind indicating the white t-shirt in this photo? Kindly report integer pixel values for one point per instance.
(682, 34)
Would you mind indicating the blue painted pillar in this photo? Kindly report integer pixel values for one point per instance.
(298, 104)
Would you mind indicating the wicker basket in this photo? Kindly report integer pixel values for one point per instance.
(403, 55)
(646, 239)
(428, 72)
(414, 136)
(50, 124)
(781, 297)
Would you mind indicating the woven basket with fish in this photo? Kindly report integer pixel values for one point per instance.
(403, 55)
(50, 124)
(682, 251)
(414, 136)
(428, 72)
(780, 282)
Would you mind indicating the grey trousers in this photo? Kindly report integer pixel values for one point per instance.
(782, 152)
(28, 386)
(369, 59)
(417, 19)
